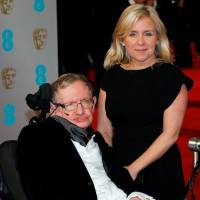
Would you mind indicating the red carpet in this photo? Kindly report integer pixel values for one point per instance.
(191, 125)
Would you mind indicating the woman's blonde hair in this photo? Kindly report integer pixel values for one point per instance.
(117, 53)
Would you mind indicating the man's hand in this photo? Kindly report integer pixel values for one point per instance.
(135, 198)
(139, 196)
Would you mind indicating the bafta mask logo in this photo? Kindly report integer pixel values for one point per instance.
(8, 75)
(40, 38)
(6, 6)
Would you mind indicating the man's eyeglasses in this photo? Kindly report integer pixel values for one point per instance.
(72, 107)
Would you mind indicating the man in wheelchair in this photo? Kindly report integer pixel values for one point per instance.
(60, 157)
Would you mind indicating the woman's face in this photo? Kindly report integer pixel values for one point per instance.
(140, 43)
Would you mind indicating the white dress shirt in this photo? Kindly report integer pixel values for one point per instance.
(105, 188)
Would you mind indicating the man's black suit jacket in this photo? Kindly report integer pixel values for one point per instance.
(51, 169)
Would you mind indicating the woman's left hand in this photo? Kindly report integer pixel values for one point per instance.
(131, 171)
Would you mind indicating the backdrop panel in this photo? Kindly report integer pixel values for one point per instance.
(28, 58)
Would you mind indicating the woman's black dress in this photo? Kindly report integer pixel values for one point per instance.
(135, 103)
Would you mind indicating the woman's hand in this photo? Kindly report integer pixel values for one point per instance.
(133, 172)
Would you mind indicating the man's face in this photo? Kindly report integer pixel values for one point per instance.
(76, 94)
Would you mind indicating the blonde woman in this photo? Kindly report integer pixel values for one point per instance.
(142, 102)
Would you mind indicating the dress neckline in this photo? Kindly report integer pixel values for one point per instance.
(137, 70)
